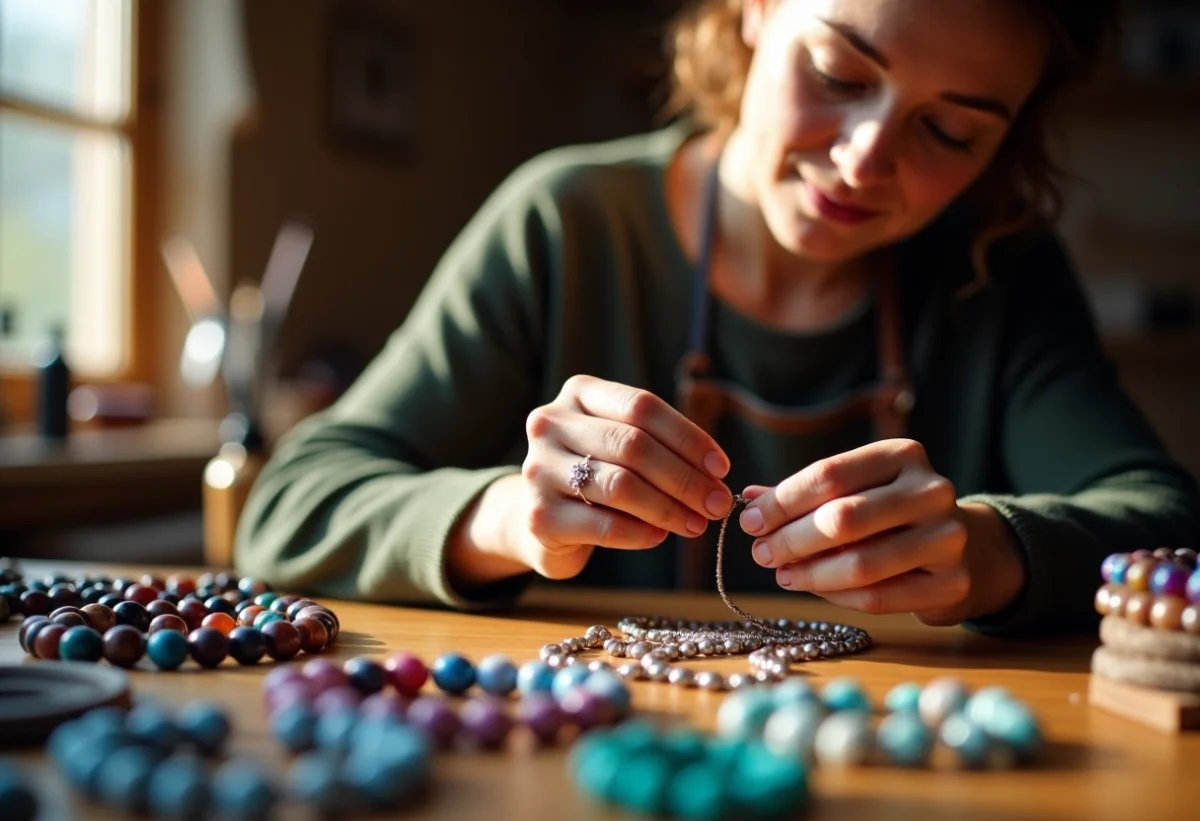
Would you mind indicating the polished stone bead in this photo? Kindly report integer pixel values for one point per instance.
(535, 677)
(485, 721)
(266, 617)
(27, 625)
(81, 643)
(390, 771)
(567, 679)
(791, 728)
(1167, 613)
(266, 599)
(1113, 568)
(969, 742)
(743, 714)
(315, 780)
(903, 698)
(905, 738)
(158, 607)
(642, 784)
(940, 698)
(295, 607)
(612, 688)
(542, 715)
(283, 639)
(124, 645)
(220, 604)
(167, 649)
(208, 647)
(845, 694)
(222, 622)
(365, 675)
(123, 779)
(406, 673)
(63, 595)
(141, 594)
(17, 796)
(246, 615)
(168, 622)
(1013, 723)
(313, 635)
(36, 645)
(1137, 607)
(247, 645)
(497, 675)
(1169, 579)
(596, 763)
(844, 738)
(1192, 589)
(68, 618)
(383, 705)
(281, 604)
(697, 793)
(1137, 577)
(452, 673)
(242, 789)
(983, 703)
(434, 717)
(132, 614)
(588, 709)
(35, 603)
(151, 725)
(181, 585)
(193, 612)
(337, 698)
(324, 615)
(205, 725)
(1189, 619)
(110, 600)
(295, 727)
(335, 727)
(325, 675)
(179, 788)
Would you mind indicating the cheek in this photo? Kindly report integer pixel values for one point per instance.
(928, 189)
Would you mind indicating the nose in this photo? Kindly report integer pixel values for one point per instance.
(865, 154)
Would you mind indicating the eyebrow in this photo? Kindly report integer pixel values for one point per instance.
(989, 105)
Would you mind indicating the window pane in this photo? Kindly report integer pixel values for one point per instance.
(68, 54)
(64, 250)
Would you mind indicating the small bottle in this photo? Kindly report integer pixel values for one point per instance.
(228, 478)
(54, 386)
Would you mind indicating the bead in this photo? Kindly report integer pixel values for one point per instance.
(596, 635)
(205, 725)
(1169, 579)
(123, 778)
(35, 603)
(1014, 724)
(497, 675)
(315, 780)
(324, 615)
(615, 648)
(452, 673)
(710, 680)
(433, 717)
(1186, 558)
(313, 635)
(1137, 608)
(557, 661)
(1112, 565)
(99, 617)
(485, 720)
(265, 600)
(1192, 589)
(1101, 602)
(193, 612)
(266, 617)
(1137, 577)
(905, 738)
(248, 614)
(612, 688)
(152, 726)
(597, 665)
(27, 624)
(247, 645)
(657, 671)
(844, 738)
(638, 649)
(324, 675)
(181, 585)
(1116, 602)
(740, 681)
(242, 789)
(366, 675)
(337, 699)
(1189, 619)
(773, 786)
(406, 673)
(44, 648)
(222, 622)
(382, 705)
(940, 698)
(845, 694)
(1166, 613)
(167, 622)
(208, 647)
(903, 698)
(167, 649)
(570, 645)
(281, 604)
(688, 649)
(81, 643)
(681, 676)
(179, 788)
(567, 679)
(17, 797)
(282, 638)
(982, 705)
(794, 691)
(705, 647)
(541, 714)
(141, 594)
(295, 607)
(219, 604)
(791, 727)
(743, 714)
(335, 727)
(697, 792)
(124, 645)
(132, 614)
(631, 672)
(966, 739)
(588, 709)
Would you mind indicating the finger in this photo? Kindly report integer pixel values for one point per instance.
(621, 444)
(917, 590)
(752, 492)
(878, 463)
(848, 519)
(619, 488)
(564, 524)
(876, 559)
(642, 409)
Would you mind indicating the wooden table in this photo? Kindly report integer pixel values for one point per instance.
(1096, 766)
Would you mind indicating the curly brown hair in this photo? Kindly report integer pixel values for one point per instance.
(1021, 186)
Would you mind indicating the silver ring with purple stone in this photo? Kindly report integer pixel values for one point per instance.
(581, 474)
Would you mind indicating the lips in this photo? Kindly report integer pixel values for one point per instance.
(838, 210)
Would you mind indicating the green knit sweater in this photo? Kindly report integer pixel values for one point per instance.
(572, 267)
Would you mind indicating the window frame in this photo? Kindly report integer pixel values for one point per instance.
(141, 128)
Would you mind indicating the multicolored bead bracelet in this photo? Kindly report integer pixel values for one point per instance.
(1159, 589)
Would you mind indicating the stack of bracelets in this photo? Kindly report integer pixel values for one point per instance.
(208, 618)
(1151, 628)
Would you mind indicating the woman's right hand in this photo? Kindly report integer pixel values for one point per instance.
(653, 472)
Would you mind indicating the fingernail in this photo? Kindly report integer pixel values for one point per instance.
(718, 503)
(696, 523)
(783, 576)
(751, 520)
(762, 553)
(715, 464)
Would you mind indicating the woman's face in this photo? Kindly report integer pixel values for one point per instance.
(864, 119)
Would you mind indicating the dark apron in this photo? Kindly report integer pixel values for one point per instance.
(721, 406)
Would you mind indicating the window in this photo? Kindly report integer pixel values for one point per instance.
(74, 148)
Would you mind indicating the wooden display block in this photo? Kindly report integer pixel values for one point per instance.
(1164, 710)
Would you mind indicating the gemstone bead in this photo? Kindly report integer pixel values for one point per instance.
(265, 600)
(433, 717)
(335, 727)
(588, 709)
(242, 789)
(940, 698)
(123, 779)
(497, 675)
(744, 714)
(27, 625)
(220, 604)
(179, 788)
(168, 622)
(904, 697)
(295, 727)
(1167, 613)
(1192, 589)
(406, 673)
(1189, 619)
(81, 644)
(152, 726)
(1137, 607)
(313, 635)
(983, 703)
(167, 649)
(282, 638)
(535, 677)
(566, 680)
(453, 673)
(132, 614)
(845, 694)
(247, 615)
(486, 721)
(205, 725)
(1014, 724)
(366, 675)
(124, 645)
(1112, 569)
(612, 688)
(382, 705)
(247, 645)
(1169, 579)
(336, 699)
(1137, 577)
(966, 738)
(35, 603)
(314, 779)
(541, 714)
(208, 647)
(193, 612)
(844, 738)
(793, 691)
(295, 607)
(100, 617)
(324, 674)
(141, 594)
(792, 728)
(222, 622)
(267, 617)
(905, 738)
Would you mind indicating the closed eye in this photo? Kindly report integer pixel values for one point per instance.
(953, 143)
(836, 84)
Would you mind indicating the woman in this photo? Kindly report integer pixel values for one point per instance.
(830, 287)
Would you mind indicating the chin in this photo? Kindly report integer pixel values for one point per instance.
(812, 239)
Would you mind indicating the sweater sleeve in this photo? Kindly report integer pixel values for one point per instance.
(1088, 475)
(359, 500)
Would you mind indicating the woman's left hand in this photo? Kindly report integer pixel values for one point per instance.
(878, 530)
